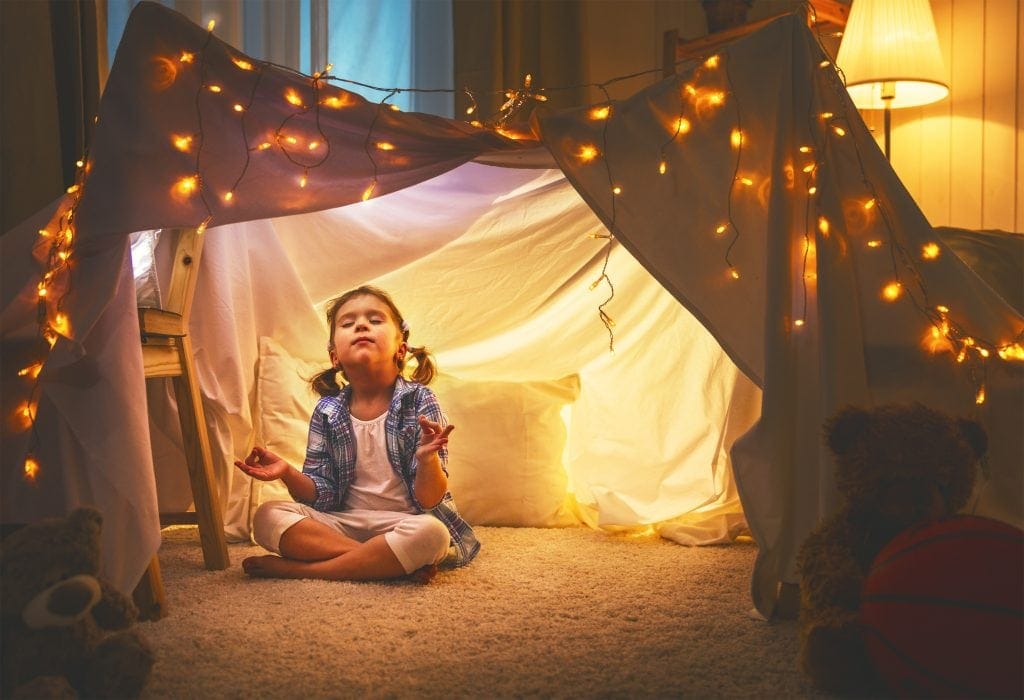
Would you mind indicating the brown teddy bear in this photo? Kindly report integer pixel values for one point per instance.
(65, 630)
(896, 466)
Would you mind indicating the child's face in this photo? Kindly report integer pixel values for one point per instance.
(366, 334)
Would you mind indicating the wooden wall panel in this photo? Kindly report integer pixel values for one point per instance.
(961, 158)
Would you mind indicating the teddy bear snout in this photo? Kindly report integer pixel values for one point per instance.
(62, 603)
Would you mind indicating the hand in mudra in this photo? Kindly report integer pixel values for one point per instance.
(433, 436)
(263, 465)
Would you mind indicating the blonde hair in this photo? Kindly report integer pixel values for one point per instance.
(326, 382)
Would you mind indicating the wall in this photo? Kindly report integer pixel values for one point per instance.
(962, 159)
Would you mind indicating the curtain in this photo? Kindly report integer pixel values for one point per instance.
(498, 43)
(48, 110)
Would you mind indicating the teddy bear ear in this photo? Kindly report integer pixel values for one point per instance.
(844, 429)
(975, 435)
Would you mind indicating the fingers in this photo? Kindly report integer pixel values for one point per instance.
(432, 427)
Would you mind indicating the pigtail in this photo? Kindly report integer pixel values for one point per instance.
(425, 369)
(325, 383)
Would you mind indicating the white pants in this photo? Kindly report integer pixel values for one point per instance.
(416, 539)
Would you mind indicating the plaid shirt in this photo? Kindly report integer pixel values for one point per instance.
(331, 456)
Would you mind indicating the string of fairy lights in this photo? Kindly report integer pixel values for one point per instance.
(944, 333)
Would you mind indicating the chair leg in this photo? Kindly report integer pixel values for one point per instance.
(198, 456)
(149, 594)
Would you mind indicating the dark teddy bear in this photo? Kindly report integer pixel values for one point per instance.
(896, 466)
(58, 617)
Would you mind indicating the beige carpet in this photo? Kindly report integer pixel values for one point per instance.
(540, 613)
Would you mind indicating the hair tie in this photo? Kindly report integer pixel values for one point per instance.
(405, 329)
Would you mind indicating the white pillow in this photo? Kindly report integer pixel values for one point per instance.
(285, 403)
(505, 455)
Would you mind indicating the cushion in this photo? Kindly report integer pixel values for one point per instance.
(505, 455)
(285, 403)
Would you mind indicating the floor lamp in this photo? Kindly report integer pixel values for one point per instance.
(890, 57)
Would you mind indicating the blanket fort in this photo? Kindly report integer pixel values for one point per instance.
(765, 242)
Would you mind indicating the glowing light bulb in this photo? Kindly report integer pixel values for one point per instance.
(41, 290)
(716, 98)
(892, 291)
(662, 167)
(712, 61)
(293, 97)
(313, 145)
(241, 63)
(79, 163)
(396, 108)
(805, 149)
(979, 398)
(210, 25)
(690, 90)
(736, 138)
(264, 146)
(824, 64)
(228, 196)
(72, 189)
(368, 192)
(930, 251)
(303, 179)
(187, 185)
(385, 146)
(291, 139)
(942, 309)
(874, 244)
(812, 189)
(470, 109)
(32, 371)
(840, 131)
(870, 204)
(187, 57)
(335, 102)
(734, 273)
(746, 181)
(826, 115)
(823, 225)
(681, 126)
(31, 469)
(616, 190)
(809, 167)
(182, 142)
(722, 228)
(587, 152)
(213, 88)
(598, 113)
(44, 233)
(799, 322)
(238, 108)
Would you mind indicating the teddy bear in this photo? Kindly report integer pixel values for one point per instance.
(897, 466)
(65, 630)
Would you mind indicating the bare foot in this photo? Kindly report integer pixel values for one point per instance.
(424, 574)
(267, 566)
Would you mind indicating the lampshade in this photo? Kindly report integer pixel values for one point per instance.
(890, 48)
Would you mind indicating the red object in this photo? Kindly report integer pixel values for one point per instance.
(943, 610)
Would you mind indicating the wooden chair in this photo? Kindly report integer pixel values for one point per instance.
(828, 18)
(167, 352)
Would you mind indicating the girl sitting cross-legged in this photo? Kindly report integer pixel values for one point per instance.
(371, 501)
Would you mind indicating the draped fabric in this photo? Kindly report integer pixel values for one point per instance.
(710, 275)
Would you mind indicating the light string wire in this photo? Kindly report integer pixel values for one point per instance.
(608, 321)
(735, 170)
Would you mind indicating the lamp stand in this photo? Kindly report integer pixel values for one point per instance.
(888, 95)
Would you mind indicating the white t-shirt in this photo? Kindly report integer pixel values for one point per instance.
(376, 485)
